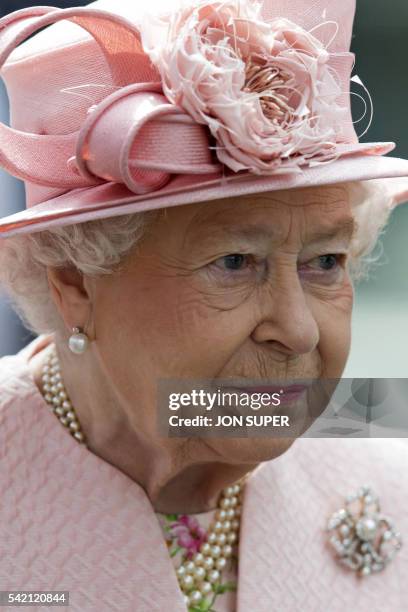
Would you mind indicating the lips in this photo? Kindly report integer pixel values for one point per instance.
(288, 394)
(282, 389)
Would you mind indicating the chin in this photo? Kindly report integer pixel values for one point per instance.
(248, 450)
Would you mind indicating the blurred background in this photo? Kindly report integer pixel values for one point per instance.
(380, 320)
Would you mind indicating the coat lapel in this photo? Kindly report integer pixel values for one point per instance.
(285, 561)
(81, 525)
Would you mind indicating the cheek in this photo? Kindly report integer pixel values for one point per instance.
(199, 338)
(168, 328)
(333, 315)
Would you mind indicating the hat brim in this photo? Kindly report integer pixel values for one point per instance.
(113, 199)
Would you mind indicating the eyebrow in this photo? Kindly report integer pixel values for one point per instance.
(346, 229)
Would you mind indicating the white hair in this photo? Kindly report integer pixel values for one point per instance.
(100, 247)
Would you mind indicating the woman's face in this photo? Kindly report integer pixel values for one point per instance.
(253, 287)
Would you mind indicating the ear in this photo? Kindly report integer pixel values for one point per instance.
(70, 294)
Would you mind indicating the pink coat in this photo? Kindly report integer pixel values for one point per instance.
(71, 521)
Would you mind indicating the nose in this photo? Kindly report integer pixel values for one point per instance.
(287, 322)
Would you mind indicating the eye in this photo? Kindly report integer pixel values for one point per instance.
(325, 264)
(329, 262)
(235, 261)
(238, 267)
(233, 275)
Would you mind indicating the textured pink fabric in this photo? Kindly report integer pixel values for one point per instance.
(70, 76)
(111, 199)
(69, 520)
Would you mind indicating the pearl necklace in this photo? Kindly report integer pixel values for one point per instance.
(197, 576)
(56, 396)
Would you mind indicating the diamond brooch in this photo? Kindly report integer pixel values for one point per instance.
(364, 539)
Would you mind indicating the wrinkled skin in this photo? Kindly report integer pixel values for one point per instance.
(182, 307)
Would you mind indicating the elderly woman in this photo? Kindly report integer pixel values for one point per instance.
(198, 207)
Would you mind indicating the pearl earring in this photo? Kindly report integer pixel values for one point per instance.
(78, 342)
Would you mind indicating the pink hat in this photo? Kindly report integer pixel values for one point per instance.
(119, 108)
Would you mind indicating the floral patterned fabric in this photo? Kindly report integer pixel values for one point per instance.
(184, 535)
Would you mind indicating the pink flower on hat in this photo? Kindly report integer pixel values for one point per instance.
(265, 90)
